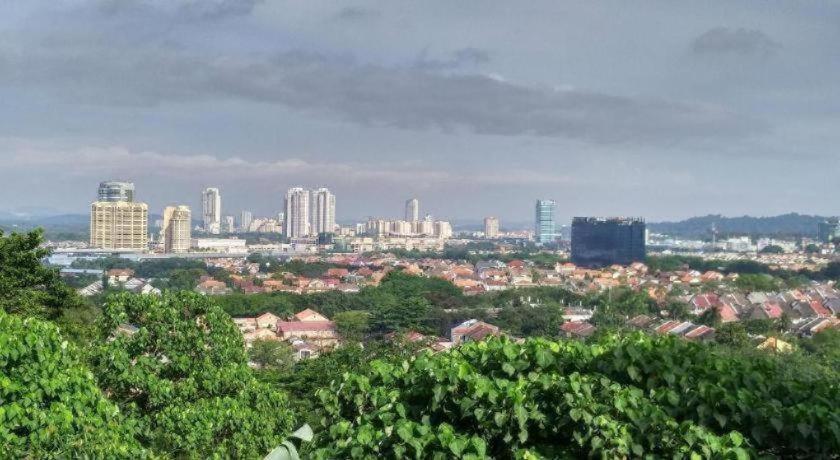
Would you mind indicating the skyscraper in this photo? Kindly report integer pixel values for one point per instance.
(119, 225)
(297, 213)
(177, 221)
(544, 226)
(600, 242)
(212, 210)
(491, 227)
(245, 219)
(112, 191)
(229, 224)
(412, 210)
(323, 211)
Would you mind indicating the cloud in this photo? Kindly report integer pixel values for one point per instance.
(180, 9)
(744, 42)
(404, 97)
(459, 58)
(356, 13)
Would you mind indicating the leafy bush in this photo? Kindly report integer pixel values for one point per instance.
(501, 399)
(183, 374)
(50, 406)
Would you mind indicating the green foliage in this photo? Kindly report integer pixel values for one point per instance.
(27, 287)
(50, 406)
(616, 306)
(352, 324)
(271, 354)
(184, 376)
(757, 282)
(772, 249)
(505, 400)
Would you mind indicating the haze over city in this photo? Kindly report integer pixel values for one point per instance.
(659, 109)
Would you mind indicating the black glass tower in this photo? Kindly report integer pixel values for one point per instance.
(600, 242)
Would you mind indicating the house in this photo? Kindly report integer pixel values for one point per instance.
(774, 344)
(577, 329)
(309, 326)
(310, 315)
(700, 333)
(642, 322)
(473, 330)
(119, 275)
(212, 287)
(337, 273)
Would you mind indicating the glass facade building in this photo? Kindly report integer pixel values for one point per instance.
(600, 242)
(113, 191)
(544, 228)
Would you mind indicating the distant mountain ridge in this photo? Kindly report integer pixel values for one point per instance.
(791, 224)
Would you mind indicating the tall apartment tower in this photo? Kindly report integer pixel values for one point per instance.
(412, 210)
(112, 191)
(245, 219)
(491, 227)
(177, 221)
(544, 229)
(297, 213)
(119, 225)
(212, 210)
(323, 211)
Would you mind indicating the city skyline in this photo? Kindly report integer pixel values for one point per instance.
(714, 108)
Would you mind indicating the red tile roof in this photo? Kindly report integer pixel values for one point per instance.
(305, 326)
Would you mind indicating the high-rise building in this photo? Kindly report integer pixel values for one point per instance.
(119, 225)
(212, 210)
(600, 242)
(112, 191)
(491, 227)
(412, 210)
(544, 230)
(443, 229)
(297, 213)
(829, 230)
(175, 231)
(229, 224)
(245, 218)
(323, 211)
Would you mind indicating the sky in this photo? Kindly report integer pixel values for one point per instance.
(661, 109)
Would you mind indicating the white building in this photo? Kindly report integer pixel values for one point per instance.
(443, 229)
(491, 227)
(323, 211)
(222, 245)
(212, 210)
(175, 229)
(412, 210)
(297, 213)
(245, 218)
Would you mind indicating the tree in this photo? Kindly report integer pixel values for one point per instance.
(27, 287)
(353, 324)
(812, 248)
(271, 354)
(184, 375)
(772, 249)
(51, 406)
(732, 334)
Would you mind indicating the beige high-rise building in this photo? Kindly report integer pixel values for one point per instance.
(491, 227)
(119, 225)
(176, 231)
(297, 213)
(323, 211)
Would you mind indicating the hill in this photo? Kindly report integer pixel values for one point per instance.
(791, 224)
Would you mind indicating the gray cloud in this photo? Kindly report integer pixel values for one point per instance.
(745, 42)
(180, 9)
(402, 97)
(459, 58)
(356, 13)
